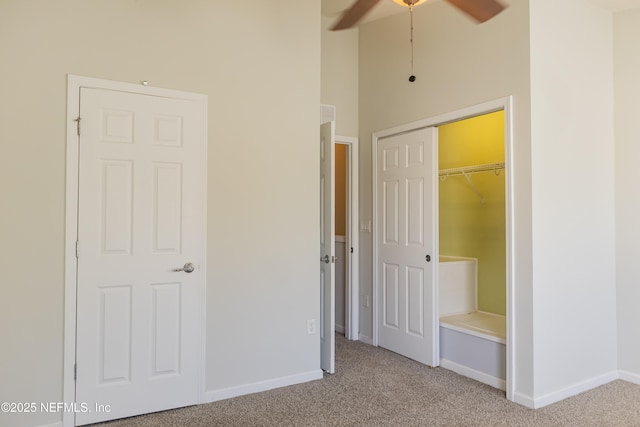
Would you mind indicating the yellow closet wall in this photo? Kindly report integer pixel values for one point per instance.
(468, 226)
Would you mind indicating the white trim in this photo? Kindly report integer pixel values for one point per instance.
(466, 371)
(365, 339)
(505, 104)
(71, 227)
(573, 390)
(74, 83)
(523, 399)
(352, 314)
(339, 329)
(341, 239)
(442, 119)
(58, 424)
(509, 246)
(241, 390)
(629, 376)
(374, 238)
(530, 402)
(347, 140)
(472, 333)
(435, 227)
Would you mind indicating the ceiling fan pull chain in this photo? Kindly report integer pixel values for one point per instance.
(412, 77)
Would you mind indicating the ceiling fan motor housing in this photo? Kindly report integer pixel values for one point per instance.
(409, 3)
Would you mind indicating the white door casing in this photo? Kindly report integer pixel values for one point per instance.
(141, 213)
(407, 250)
(327, 247)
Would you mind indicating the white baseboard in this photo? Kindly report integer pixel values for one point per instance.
(550, 398)
(629, 376)
(524, 400)
(575, 389)
(339, 329)
(241, 390)
(365, 339)
(473, 374)
(58, 424)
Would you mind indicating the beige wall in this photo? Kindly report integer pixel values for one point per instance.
(572, 157)
(627, 108)
(458, 64)
(340, 76)
(259, 63)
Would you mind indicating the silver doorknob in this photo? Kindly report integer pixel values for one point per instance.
(188, 268)
(326, 259)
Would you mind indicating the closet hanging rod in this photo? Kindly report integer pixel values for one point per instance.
(471, 169)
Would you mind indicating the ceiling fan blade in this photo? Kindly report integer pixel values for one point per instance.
(480, 10)
(354, 14)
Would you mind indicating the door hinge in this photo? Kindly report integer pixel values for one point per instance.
(77, 249)
(78, 124)
(75, 371)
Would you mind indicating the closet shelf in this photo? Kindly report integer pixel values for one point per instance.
(466, 170)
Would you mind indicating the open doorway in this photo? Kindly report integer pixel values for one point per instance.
(342, 249)
(347, 247)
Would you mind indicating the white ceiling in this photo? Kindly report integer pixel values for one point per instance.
(334, 8)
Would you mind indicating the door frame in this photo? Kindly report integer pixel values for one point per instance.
(502, 104)
(352, 282)
(74, 84)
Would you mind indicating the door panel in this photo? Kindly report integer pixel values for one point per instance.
(167, 200)
(415, 212)
(407, 166)
(115, 334)
(391, 301)
(327, 247)
(166, 313)
(141, 215)
(390, 214)
(415, 301)
(117, 214)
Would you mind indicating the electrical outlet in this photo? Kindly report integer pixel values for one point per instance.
(311, 326)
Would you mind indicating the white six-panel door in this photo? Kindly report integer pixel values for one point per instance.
(140, 217)
(406, 171)
(327, 248)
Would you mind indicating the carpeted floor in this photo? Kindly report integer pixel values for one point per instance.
(375, 387)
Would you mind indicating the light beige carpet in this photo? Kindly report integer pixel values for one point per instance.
(375, 387)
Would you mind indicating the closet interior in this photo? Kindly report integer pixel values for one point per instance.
(472, 247)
